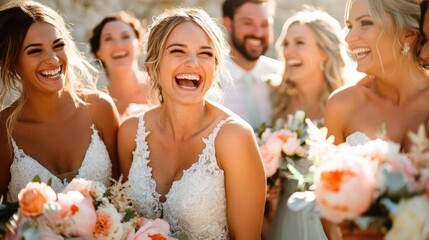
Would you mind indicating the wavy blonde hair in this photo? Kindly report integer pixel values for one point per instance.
(16, 18)
(328, 36)
(405, 15)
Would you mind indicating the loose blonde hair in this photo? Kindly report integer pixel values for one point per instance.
(328, 37)
(405, 15)
(160, 30)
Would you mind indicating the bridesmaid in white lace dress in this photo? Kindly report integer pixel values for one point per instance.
(57, 128)
(315, 58)
(191, 161)
(384, 37)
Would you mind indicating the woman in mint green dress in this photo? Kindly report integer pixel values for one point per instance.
(311, 47)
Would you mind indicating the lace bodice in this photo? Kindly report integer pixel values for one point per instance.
(195, 204)
(95, 166)
(357, 138)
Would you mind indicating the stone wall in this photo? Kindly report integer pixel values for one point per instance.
(84, 14)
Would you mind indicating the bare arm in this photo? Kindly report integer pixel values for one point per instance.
(106, 118)
(126, 145)
(239, 156)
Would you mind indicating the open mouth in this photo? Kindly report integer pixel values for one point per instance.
(361, 52)
(254, 42)
(119, 54)
(51, 73)
(293, 63)
(188, 81)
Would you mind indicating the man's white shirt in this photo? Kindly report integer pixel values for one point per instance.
(234, 94)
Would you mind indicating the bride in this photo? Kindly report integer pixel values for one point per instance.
(384, 37)
(189, 160)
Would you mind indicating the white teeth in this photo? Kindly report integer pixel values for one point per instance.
(51, 73)
(119, 54)
(194, 77)
(361, 52)
(254, 42)
(293, 62)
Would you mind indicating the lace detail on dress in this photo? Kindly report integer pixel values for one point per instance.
(143, 187)
(96, 166)
(196, 203)
(357, 138)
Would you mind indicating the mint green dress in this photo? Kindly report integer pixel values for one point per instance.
(301, 223)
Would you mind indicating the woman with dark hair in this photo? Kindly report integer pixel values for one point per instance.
(60, 126)
(117, 42)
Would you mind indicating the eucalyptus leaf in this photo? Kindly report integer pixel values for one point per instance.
(396, 182)
(299, 201)
(28, 229)
(390, 205)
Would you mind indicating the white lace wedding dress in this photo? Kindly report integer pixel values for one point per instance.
(96, 166)
(195, 204)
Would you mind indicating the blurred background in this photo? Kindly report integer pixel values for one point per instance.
(82, 15)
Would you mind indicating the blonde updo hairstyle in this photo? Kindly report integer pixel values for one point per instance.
(405, 15)
(157, 36)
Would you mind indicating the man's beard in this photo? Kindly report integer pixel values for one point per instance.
(241, 48)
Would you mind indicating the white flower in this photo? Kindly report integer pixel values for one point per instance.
(411, 222)
(99, 190)
(266, 134)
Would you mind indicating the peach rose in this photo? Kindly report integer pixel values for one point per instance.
(284, 140)
(345, 187)
(271, 161)
(33, 198)
(78, 214)
(81, 185)
(152, 230)
(108, 225)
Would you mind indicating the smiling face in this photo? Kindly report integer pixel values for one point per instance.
(42, 60)
(187, 65)
(374, 46)
(302, 54)
(119, 46)
(251, 30)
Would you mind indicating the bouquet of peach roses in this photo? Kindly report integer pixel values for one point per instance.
(284, 151)
(83, 210)
(373, 185)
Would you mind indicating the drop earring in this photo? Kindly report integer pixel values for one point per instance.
(322, 66)
(405, 49)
